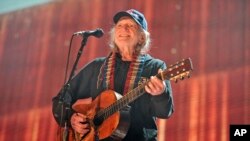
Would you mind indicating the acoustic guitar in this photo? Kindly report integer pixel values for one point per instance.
(108, 113)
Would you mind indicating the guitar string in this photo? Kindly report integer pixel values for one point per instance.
(129, 97)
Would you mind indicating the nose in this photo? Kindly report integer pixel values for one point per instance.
(124, 27)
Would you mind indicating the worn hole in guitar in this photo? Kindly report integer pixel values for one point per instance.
(98, 120)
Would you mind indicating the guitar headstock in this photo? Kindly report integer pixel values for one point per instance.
(177, 71)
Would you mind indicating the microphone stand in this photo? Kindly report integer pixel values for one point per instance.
(84, 41)
(66, 105)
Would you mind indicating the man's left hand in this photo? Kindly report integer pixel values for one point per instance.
(155, 86)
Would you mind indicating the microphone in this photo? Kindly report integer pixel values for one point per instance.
(97, 33)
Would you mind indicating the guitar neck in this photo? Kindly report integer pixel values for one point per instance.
(130, 97)
(121, 103)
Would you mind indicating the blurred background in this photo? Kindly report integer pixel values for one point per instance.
(34, 42)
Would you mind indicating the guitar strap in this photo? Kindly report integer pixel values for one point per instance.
(106, 74)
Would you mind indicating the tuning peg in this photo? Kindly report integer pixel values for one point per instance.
(188, 75)
(175, 80)
(182, 78)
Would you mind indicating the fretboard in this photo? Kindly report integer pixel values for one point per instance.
(121, 103)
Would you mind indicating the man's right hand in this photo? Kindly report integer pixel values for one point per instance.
(79, 123)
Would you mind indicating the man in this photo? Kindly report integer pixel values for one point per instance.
(121, 71)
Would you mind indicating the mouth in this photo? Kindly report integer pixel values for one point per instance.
(124, 35)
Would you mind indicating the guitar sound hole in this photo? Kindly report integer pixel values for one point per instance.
(98, 121)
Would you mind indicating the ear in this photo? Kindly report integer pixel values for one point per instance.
(141, 38)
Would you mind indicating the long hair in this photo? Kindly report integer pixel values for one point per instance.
(140, 48)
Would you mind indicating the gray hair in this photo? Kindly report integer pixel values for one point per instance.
(140, 48)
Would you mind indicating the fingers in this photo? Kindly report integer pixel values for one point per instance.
(155, 86)
(79, 123)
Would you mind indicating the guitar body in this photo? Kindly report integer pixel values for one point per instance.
(114, 126)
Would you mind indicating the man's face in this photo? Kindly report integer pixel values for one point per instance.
(126, 33)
